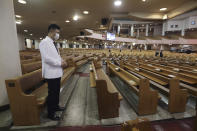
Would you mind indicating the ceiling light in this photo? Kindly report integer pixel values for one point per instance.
(85, 12)
(118, 3)
(76, 17)
(22, 1)
(19, 22)
(18, 16)
(31, 34)
(25, 30)
(40, 38)
(143, 0)
(165, 17)
(163, 9)
(67, 21)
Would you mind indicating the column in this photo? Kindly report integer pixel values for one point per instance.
(163, 29)
(118, 32)
(147, 29)
(80, 45)
(21, 41)
(138, 33)
(132, 30)
(87, 46)
(67, 46)
(183, 28)
(9, 48)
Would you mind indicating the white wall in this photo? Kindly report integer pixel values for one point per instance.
(21, 41)
(37, 42)
(9, 48)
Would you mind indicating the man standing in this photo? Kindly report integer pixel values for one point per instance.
(52, 71)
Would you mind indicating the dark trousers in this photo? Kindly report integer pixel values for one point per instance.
(53, 95)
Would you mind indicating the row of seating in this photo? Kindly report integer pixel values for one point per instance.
(28, 93)
(108, 97)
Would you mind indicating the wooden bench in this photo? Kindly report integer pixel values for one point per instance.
(78, 61)
(27, 95)
(108, 97)
(147, 99)
(177, 97)
(27, 68)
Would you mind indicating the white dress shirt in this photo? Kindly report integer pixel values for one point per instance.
(51, 59)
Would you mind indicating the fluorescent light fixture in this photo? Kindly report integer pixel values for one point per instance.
(76, 17)
(18, 22)
(163, 9)
(22, 1)
(18, 16)
(165, 17)
(25, 30)
(118, 3)
(85, 12)
(67, 21)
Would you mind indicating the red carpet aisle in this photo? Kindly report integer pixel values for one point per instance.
(166, 125)
(174, 125)
(89, 128)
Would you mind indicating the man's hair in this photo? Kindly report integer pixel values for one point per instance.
(53, 27)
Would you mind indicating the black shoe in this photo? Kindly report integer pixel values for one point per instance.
(60, 109)
(54, 118)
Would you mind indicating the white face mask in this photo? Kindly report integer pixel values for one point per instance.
(57, 36)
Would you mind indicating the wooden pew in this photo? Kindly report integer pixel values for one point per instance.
(27, 68)
(108, 97)
(140, 124)
(78, 61)
(148, 100)
(27, 94)
(177, 97)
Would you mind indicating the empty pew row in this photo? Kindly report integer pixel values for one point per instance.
(27, 68)
(108, 97)
(175, 72)
(147, 98)
(27, 95)
(177, 97)
(189, 83)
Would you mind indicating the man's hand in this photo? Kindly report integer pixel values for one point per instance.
(64, 64)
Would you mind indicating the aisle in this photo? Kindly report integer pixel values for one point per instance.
(82, 109)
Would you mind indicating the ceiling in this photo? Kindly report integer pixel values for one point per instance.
(38, 14)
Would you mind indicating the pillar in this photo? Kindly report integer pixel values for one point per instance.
(118, 29)
(21, 41)
(163, 29)
(132, 30)
(147, 29)
(9, 48)
(138, 33)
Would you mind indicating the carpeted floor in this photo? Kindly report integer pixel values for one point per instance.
(165, 125)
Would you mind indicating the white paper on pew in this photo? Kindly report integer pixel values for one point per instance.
(117, 69)
(157, 69)
(172, 76)
(195, 70)
(137, 69)
(150, 65)
(91, 69)
(131, 82)
(176, 69)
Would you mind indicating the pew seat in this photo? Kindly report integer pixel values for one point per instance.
(27, 68)
(147, 98)
(108, 97)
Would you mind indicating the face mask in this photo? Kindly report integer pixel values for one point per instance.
(57, 36)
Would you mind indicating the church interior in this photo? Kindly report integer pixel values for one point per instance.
(131, 65)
